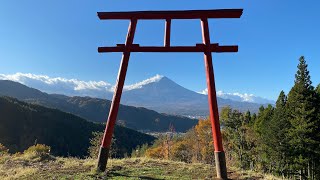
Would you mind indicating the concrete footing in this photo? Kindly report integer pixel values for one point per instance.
(221, 167)
(102, 159)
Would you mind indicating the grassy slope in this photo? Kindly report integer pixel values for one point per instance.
(20, 167)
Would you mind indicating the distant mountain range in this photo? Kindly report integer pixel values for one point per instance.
(158, 93)
(23, 125)
(94, 109)
(164, 95)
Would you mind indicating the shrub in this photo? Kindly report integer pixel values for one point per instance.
(139, 151)
(155, 152)
(37, 151)
(181, 152)
(95, 143)
(3, 150)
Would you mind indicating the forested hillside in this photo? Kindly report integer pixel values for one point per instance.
(283, 140)
(23, 125)
(96, 110)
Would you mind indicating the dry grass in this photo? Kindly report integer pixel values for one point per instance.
(22, 167)
(257, 175)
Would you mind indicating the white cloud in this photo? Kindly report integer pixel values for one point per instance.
(243, 97)
(60, 85)
(139, 85)
(205, 91)
(72, 87)
(76, 84)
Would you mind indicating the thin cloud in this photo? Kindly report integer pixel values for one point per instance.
(244, 97)
(139, 85)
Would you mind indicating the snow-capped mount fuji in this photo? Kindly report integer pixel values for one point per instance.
(164, 95)
(161, 93)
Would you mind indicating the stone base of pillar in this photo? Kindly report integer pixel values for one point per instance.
(102, 159)
(221, 168)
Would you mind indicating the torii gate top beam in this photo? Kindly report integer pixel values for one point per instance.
(168, 16)
(190, 14)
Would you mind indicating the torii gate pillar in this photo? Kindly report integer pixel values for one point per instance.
(206, 47)
(219, 155)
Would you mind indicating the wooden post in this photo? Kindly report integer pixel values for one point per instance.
(167, 33)
(107, 137)
(220, 159)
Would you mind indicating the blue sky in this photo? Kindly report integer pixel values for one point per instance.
(60, 39)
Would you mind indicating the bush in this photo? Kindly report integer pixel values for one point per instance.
(139, 151)
(155, 152)
(95, 143)
(37, 151)
(181, 152)
(3, 150)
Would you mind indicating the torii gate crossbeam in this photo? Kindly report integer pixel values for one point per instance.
(206, 47)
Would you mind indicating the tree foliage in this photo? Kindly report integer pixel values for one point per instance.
(194, 146)
(283, 139)
(303, 114)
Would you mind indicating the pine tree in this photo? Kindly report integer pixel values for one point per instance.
(247, 117)
(318, 89)
(239, 137)
(302, 112)
(264, 117)
(316, 164)
(278, 142)
(263, 132)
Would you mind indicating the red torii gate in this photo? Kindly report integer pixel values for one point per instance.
(206, 47)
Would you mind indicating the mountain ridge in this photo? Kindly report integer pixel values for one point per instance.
(102, 89)
(23, 124)
(96, 110)
(161, 94)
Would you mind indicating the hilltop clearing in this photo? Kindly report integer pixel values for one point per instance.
(133, 168)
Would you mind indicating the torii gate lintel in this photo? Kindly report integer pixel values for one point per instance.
(206, 47)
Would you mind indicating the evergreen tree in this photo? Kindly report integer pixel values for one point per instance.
(302, 114)
(318, 89)
(264, 117)
(278, 142)
(316, 165)
(247, 117)
(253, 118)
(239, 141)
(263, 133)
